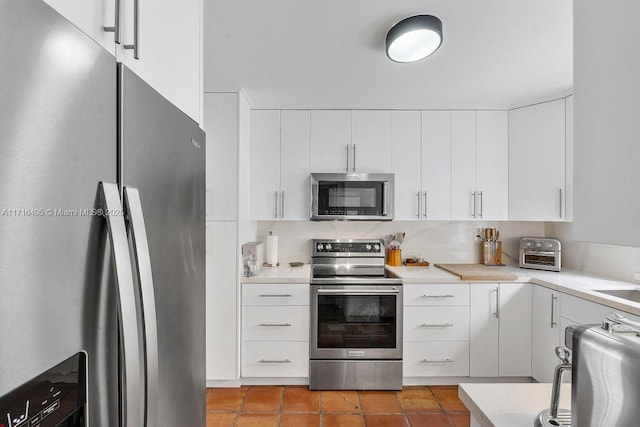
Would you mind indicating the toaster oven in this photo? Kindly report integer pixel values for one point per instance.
(540, 253)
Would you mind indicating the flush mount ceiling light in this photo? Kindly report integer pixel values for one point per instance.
(414, 38)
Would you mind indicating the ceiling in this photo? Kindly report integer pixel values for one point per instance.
(330, 53)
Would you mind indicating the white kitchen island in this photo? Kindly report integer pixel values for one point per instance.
(509, 405)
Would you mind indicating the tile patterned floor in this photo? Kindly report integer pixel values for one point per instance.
(297, 406)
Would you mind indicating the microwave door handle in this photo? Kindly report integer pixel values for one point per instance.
(109, 199)
(385, 198)
(142, 257)
(314, 198)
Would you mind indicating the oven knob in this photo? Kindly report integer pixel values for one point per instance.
(376, 248)
(528, 244)
(320, 247)
(328, 246)
(538, 244)
(368, 246)
(550, 245)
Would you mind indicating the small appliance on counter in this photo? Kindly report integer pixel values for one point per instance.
(540, 253)
(491, 247)
(252, 258)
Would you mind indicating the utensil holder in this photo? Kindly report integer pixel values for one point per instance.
(492, 252)
(394, 257)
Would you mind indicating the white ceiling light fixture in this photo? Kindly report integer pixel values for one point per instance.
(414, 38)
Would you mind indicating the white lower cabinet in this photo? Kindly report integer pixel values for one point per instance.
(500, 333)
(436, 332)
(436, 359)
(275, 331)
(545, 334)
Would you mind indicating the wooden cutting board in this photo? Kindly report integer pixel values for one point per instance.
(478, 272)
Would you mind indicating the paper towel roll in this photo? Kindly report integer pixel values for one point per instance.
(271, 244)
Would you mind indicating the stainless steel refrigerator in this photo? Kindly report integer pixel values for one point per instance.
(102, 230)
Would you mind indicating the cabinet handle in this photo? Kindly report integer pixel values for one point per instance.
(425, 205)
(481, 205)
(437, 296)
(116, 28)
(275, 361)
(497, 312)
(560, 200)
(473, 211)
(282, 204)
(275, 324)
(275, 204)
(553, 314)
(436, 325)
(136, 45)
(419, 205)
(354, 158)
(348, 159)
(447, 360)
(275, 295)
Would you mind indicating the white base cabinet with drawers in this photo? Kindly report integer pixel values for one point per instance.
(500, 333)
(436, 331)
(275, 333)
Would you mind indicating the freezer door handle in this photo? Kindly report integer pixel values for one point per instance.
(138, 233)
(109, 199)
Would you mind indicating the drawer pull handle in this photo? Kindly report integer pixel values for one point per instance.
(436, 325)
(447, 360)
(275, 295)
(275, 361)
(438, 296)
(275, 324)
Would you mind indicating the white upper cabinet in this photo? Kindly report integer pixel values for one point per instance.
(169, 48)
(265, 164)
(371, 141)
(479, 165)
(436, 165)
(406, 164)
(330, 141)
(168, 41)
(91, 17)
(537, 186)
(294, 165)
(492, 165)
(568, 202)
(280, 165)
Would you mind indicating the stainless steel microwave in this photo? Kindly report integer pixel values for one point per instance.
(352, 196)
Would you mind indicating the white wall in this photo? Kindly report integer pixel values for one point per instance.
(435, 241)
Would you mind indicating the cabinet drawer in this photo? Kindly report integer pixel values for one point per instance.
(457, 294)
(436, 359)
(435, 323)
(275, 294)
(269, 359)
(275, 323)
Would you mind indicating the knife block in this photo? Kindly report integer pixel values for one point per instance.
(394, 257)
(492, 252)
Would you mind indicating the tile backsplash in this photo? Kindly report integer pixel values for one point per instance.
(435, 241)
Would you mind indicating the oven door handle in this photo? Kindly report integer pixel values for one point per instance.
(358, 292)
(550, 253)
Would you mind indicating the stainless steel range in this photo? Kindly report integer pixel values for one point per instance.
(356, 317)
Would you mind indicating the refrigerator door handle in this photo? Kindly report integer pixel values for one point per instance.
(109, 197)
(137, 230)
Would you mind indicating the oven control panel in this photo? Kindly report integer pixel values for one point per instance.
(350, 247)
(539, 244)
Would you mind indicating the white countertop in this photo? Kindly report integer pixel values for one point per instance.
(510, 405)
(571, 282)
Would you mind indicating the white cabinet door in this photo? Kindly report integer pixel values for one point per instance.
(265, 164)
(169, 40)
(221, 125)
(484, 330)
(464, 199)
(295, 164)
(436, 359)
(545, 334)
(537, 162)
(91, 17)
(221, 318)
(492, 165)
(436, 165)
(330, 141)
(406, 164)
(514, 352)
(371, 141)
